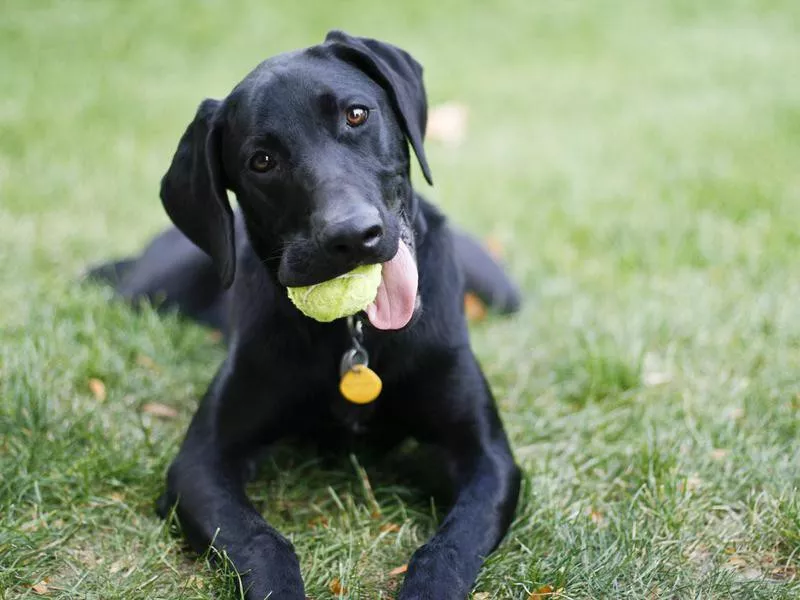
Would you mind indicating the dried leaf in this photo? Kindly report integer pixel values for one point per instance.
(474, 308)
(786, 572)
(390, 527)
(743, 568)
(145, 361)
(98, 389)
(494, 246)
(481, 596)
(597, 517)
(447, 123)
(398, 570)
(690, 484)
(543, 593)
(117, 497)
(736, 561)
(336, 587)
(319, 521)
(116, 567)
(719, 453)
(159, 410)
(41, 588)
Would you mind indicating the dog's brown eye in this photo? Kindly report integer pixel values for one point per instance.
(356, 115)
(261, 162)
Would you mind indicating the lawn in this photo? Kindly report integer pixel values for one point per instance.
(638, 161)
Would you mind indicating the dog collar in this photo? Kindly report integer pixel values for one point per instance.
(359, 384)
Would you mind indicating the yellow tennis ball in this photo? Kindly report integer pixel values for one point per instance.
(338, 297)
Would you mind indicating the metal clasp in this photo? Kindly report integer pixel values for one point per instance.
(356, 354)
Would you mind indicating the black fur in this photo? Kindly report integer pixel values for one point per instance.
(337, 196)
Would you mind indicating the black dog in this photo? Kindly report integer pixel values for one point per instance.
(313, 144)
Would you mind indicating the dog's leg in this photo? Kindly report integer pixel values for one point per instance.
(172, 274)
(468, 428)
(206, 482)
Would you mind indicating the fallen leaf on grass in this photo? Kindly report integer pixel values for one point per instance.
(597, 517)
(719, 453)
(481, 596)
(736, 561)
(336, 587)
(787, 572)
(495, 247)
(474, 308)
(145, 361)
(159, 410)
(116, 497)
(41, 588)
(116, 567)
(398, 570)
(690, 484)
(319, 521)
(390, 527)
(743, 568)
(98, 389)
(543, 593)
(447, 123)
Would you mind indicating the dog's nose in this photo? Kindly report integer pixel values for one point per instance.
(354, 237)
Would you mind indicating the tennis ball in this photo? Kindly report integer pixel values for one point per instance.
(338, 297)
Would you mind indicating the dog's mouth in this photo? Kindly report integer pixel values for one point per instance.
(396, 300)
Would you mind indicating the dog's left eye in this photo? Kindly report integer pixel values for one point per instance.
(261, 162)
(356, 115)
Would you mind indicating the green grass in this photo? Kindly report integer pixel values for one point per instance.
(639, 160)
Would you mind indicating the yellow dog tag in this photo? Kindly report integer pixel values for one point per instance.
(360, 384)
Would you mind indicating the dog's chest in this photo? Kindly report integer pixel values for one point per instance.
(355, 419)
(317, 362)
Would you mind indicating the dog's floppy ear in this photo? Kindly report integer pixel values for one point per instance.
(193, 192)
(399, 75)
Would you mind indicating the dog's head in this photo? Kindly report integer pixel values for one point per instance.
(314, 144)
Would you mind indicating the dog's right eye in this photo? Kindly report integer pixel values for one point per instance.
(261, 162)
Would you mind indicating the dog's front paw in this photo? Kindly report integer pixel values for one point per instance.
(269, 568)
(257, 589)
(435, 573)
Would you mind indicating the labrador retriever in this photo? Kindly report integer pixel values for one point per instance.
(314, 144)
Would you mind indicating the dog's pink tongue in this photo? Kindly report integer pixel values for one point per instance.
(397, 295)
